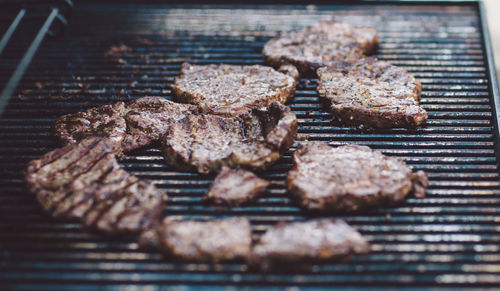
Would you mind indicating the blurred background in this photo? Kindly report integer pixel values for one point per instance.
(493, 10)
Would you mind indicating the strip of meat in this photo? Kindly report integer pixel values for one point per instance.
(234, 187)
(76, 180)
(228, 89)
(212, 241)
(253, 139)
(322, 44)
(349, 178)
(126, 126)
(372, 93)
(294, 245)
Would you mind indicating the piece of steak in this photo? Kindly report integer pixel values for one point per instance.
(234, 187)
(320, 45)
(72, 182)
(350, 177)
(126, 126)
(297, 244)
(228, 89)
(202, 241)
(254, 139)
(372, 93)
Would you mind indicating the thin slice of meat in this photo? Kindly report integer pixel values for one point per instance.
(322, 44)
(74, 181)
(252, 140)
(372, 93)
(295, 245)
(202, 241)
(229, 89)
(234, 187)
(349, 178)
(126, 126)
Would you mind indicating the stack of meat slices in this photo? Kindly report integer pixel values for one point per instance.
(231, 120)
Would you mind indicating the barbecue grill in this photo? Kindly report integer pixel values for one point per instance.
(449, 239)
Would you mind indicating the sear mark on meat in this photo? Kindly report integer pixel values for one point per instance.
(372, 93)
(320, 45)
(234, 187)
(295, 245)
(252, 140)
(227, 89)
(205, 241)
(75, 181)
(349, 178)
(127, 126)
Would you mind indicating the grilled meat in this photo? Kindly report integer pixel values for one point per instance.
(212, 241)
(320, 45)
(350, 177)
(77, 180)
(253, 139)
(127, 126)
(234, 187)
(227, 89)
(372, 93)
(293, 245)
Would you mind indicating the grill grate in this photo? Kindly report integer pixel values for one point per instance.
(450, 238)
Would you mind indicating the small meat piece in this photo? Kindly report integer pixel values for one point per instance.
(322, 44)
(253, 140)
(227, 89)
(74, 181)
(127, 126)
(234, 187)
(373, 93)
(350, 177)
(294, 245)
(203, 241)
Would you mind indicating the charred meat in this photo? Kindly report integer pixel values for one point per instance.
(84, 181)
(350, 177)
(291, 245)
(254, 140)
(126, 126)
(206, 241)
(322, 44)
(372, 93)
(227, 89)
(234, 187)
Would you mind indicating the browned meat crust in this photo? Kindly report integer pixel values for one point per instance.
(84, 181)
(320, 45)
(372, 93)
(253, 139)
(228, 89)
(350, 177)
(234, 187)
(127, 126)
(212, 241)
(294, 245)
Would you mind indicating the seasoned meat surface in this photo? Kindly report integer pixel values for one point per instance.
(320, 45)
(127, 126)
(350, 177)
(293, 245)
(226, 89)
(84, 181)
(234, 187)
(212, 241)
(372, 93)
(255, 139)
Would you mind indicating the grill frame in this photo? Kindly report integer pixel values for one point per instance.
(168, 272)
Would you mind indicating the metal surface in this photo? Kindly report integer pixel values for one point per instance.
(450, 238)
